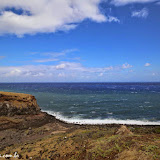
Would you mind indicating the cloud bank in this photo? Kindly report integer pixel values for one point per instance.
(64, 71)
(47, 16)
(125, 2)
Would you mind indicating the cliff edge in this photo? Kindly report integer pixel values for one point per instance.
(18, 104)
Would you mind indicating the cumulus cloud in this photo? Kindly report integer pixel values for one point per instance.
(47, 16)
(126, 66)
(141, 13)
(125, 2)
(147, 64)
(58, 72)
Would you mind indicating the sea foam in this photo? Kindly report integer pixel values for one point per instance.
(77, 120)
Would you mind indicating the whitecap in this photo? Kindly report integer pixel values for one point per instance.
(149, 106)
(72, 111)
(110, 113)
(124, 99)
(86, 102)
(146, 102)
(93, 112)
(77, 120)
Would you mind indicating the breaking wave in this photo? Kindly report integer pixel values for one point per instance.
(77, 120)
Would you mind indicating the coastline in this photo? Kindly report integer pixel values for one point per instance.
(102, 121)
(57, 140)
(39, 135)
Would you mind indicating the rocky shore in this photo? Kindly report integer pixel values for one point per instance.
(20, 115)
(34, 134)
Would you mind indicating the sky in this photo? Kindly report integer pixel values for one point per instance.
(80, 41)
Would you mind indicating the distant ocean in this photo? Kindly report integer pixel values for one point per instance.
(96, 103)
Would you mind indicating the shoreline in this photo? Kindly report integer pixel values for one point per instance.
(44, 136)
(35, 134)
(100, 122)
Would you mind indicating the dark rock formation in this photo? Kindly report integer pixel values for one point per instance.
(17, 104)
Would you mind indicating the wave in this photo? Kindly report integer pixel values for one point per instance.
(77, 120)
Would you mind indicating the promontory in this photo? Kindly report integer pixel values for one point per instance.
(32, 134)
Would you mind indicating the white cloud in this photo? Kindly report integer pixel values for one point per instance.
(14, 72)
(53, 56)
(141, 13)
(62, 53)
(46, 16)
(45, 60)
(112, 19)
(101, 74)
(61, 66)
(125, 2)
(61, 74)
(126, 66)
(147, 64)
(62, 71)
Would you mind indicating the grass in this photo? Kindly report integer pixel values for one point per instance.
(4, 119)
(92, 144)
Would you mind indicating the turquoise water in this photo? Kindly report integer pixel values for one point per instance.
(96, 103)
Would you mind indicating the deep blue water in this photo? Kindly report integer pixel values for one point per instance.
(131, 103)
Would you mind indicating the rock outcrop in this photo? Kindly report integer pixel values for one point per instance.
(123, 130)
(17, 104)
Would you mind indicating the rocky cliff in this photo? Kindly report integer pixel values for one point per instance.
(17, 104)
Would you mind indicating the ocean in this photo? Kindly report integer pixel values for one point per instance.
(96, 103)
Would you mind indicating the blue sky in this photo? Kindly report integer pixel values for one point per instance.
(80, 41)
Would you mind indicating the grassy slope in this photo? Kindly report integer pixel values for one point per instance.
(93, 143)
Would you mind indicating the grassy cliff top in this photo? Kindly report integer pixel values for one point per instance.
(13, 94)
(17, 103)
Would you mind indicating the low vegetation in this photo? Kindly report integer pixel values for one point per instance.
(93, 143)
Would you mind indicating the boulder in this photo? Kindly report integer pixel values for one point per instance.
(17, 104)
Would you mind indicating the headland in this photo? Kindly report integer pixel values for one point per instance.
(34, 134)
